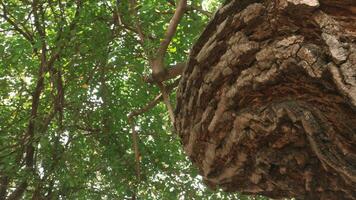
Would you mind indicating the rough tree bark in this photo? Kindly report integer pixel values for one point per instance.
(267, 102)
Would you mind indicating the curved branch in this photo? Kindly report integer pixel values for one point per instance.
(172, 27)
(154, 102)
(169, 73)
(157, 62)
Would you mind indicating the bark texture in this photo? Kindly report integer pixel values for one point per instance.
(267, 102)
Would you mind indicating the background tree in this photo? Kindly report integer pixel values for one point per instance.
(73, 74)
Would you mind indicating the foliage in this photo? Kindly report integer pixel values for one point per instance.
(90, 80)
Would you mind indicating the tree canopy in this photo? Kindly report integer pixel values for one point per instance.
(71, 72)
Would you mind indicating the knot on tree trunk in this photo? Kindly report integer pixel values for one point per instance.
(267, 102)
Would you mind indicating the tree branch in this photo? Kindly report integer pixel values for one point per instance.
(24, 32)
(39, 85)
(137, 21)
(30, 149)
(127, 27)
(172, 28)
(17, 194)
(136, 149)
(156, 62)
(154, 102)
(196, 8)
(140, 111)
(169, 73)
(192, 8)
(166, 101)
(147, 107)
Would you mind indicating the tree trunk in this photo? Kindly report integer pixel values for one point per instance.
(267, 102)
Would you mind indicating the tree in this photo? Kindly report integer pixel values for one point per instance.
(267, 102)
(71, 72)
(82, 86)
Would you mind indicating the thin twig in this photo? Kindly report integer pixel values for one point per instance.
(154, 102)
(198, 9)
(166, 101)
(134, 134)
(22, 30)
(136, 149)
(137, 22)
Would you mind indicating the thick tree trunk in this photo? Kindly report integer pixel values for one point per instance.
(267, 102)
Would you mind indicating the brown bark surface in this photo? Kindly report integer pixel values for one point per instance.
(267, 102)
